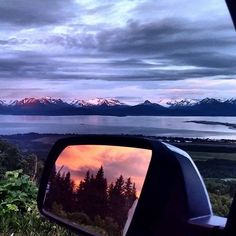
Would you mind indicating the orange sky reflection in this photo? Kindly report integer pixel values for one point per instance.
(116, 160)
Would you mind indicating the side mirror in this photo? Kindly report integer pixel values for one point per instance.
(124, 185)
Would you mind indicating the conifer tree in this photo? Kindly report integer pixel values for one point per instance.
(117, 201)
(129, 194)
(100, 194)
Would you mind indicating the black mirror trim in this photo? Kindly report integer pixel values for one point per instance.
(61, 144)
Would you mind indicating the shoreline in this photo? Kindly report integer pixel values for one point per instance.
(42, 143)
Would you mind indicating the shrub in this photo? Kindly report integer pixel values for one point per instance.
(18, 208)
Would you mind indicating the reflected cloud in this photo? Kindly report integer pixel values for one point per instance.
(116, 161)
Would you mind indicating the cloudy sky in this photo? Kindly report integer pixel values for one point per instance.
(131, 50)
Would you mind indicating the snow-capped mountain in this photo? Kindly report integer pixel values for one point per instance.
(3, 103)
(111, 106)
(231, 101)
(36, 101)
(211, 101)
(96, 102)
(179, 102)
(78, 103)
(102, 101)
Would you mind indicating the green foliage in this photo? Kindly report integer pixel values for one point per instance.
(217, 168)
(220, 204)
(221, 186)
(219, 174)
(17, 193)
(29, 224)
(221, 194)
(12, 159)
(18, 209)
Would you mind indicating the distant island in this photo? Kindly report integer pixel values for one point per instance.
(113, 107)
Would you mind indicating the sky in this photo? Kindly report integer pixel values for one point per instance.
(115, 160)
(131, 50)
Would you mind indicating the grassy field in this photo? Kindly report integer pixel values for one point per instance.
(219, 174)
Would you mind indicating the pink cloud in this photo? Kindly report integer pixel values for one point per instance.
(116, 160)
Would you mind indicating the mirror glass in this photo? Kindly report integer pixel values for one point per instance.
(97, 187)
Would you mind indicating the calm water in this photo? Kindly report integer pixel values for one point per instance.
(148, 125)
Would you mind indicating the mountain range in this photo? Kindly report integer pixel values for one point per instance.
(113, 107)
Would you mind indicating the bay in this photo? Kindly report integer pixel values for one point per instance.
(146, 125)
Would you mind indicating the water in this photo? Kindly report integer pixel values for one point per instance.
(147, 125)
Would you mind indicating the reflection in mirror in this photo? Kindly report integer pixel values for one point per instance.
(97, 187)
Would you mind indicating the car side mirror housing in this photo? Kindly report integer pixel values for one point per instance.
(124, 185)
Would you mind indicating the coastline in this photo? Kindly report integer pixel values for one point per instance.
(42, 143)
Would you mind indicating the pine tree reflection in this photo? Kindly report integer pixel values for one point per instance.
(93, 202)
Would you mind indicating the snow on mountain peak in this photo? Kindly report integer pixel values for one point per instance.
(172, 103)
(33, 101)
(210, 101)
(79, 103)
(25, 101)
(104, 101)
(96, 102)
(231, 101)
(2, 102)
(179, 102)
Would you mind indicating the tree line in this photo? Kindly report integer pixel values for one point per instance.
(93, 196)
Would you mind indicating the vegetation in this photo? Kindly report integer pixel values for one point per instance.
(219, 172)
(221, 194)
(12, 159)
(19, 175)
(93, 204)
(18, 210)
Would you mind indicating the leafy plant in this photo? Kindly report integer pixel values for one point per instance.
(18, 208)
(17, 193)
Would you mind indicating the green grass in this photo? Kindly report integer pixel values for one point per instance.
(220, 191)
(18, 209)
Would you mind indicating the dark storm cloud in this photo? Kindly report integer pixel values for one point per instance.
(24, 64)
(206, 59)
(161, 37)
(35, 13)
(178, 42)
(168, 39)
(27, 65)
